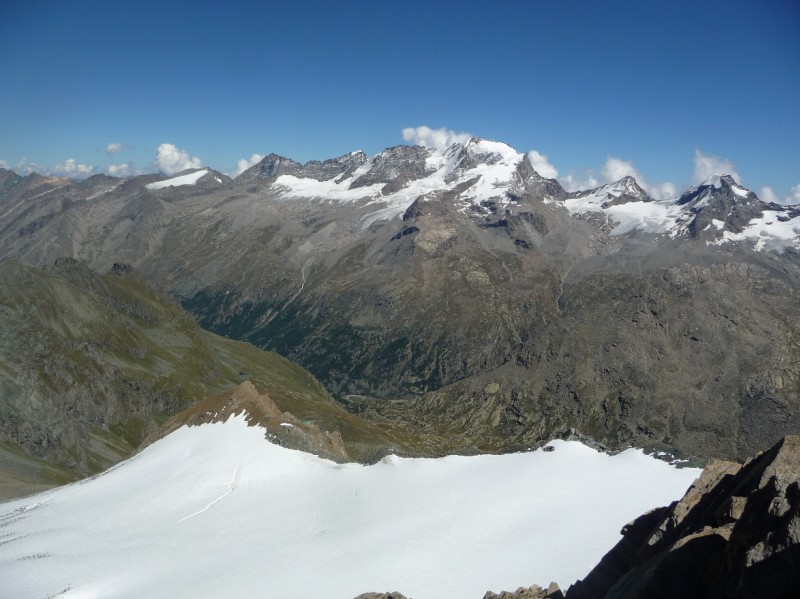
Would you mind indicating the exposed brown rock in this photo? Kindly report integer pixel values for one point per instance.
(283, 428)
(393, 595)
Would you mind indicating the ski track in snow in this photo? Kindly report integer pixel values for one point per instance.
(231, 487)
(289, 524)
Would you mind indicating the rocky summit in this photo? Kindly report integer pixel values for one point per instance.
(461, 298)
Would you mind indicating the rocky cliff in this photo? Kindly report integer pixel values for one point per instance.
(735, 534)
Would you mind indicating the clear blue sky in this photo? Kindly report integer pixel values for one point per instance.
(580, 82)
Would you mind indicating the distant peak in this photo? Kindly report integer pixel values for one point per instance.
(718, 181)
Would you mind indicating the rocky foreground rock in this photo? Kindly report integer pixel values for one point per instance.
(734, 535)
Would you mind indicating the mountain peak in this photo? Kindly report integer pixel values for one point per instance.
(272, 165)
(718, 181)
(618, 192)
(715, 188)
(718, 206)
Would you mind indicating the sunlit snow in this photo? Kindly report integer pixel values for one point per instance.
(218, 511)
(492, 178)
(651, 217)
(769, 232)
(189, 179)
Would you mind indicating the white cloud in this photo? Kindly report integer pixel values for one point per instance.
(440, 139)
(795, 197)
(120, 170)
(113, 148)
(23, 167)
(3, 164)
(71, 169)
(171, 159)
(541, 165)
(663, 191)
(579, 182)
(246, 163)
(706, 165)
(768, 195)
(616, 168)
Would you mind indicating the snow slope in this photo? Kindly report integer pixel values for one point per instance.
(218, 511)
(646, 215)
(189, 179)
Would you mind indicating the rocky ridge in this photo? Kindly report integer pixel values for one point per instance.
(283, 428)
(426, 276)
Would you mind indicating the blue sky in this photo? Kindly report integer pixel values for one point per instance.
(664, 89)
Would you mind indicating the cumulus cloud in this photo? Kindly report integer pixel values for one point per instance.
(113, 148)
(246, 163)
(615, 169)
(541, 165)
(120, 170)
(23, 167)
(794, 198)
(171, 159)
(440, 139)
(706, 165)
(3, 164)
(72, 169)
(662, 191)
(768, 195)
(579, 181)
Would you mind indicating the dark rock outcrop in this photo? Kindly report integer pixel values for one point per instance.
(735, 534)
(719, 206)
(397, 165)
(270, 166)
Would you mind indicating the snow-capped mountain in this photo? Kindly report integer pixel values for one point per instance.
(719, 211)
(483, 177)
(478, 171)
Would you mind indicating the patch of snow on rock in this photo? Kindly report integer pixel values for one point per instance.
(772, 231)
(189, 179)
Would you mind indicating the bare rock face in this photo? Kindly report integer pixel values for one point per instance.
(736, 534)
(531, 592)
(394, 595)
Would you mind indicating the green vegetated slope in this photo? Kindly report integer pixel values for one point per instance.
(90, 365)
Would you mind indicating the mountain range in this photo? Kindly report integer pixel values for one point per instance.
(461, 297)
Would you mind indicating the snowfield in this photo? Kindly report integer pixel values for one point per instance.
(189, 179)
(219, 511)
